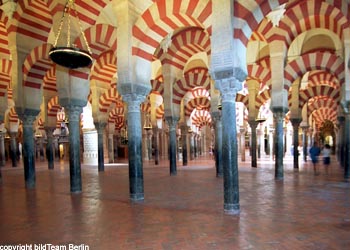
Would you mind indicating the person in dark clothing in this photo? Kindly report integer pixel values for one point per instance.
(314, 153)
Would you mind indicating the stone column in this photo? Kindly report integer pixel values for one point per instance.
(156, 145)
(340, 142)
(191, 146)
(229, 88)
(13, 148)
(253, 124)
(218, 144)
(295, 123)
(74, 113)
(279, 147)
(100, 127)
(2, 149)
(28, 149)
(347, 146)
(49, 147)
(135, 146)
(172, 121)
(242, 133)
(110, 148)
(305, 139)
(184, 144)
(149, 144)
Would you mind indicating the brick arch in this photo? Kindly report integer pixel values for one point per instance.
(323, 78)
(313, 61)
(163, 17)
(262, 74)
(101, 38)
(199, 103)
(4, 44)
(108, 97)
(322, 114)
(53, 107)
(35, 66)
(104, 68)
(184, 45)
(195, 78)
(243, 99)
(318, 91)
(5, 76)
(158, 85)
(320, 102)
(49, 81)
(12, 115)
(201, 118)
(160, 112)
(262, 98)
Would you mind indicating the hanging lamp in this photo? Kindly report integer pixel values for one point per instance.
(69, 56)
(148, 124)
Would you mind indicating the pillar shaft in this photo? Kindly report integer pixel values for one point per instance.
(156, 145)
(295, 123)
(253, 125)
(49, 147)
(74, 148)
(2, 149)
(172, 121)
(347, 146)
(100, 126)
(218, 147)
(305, 137)
(13, 148)
(135, 147)
(28, 151)
(184, 144)
(279, 147)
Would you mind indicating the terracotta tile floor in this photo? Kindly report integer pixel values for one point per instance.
(179, 212)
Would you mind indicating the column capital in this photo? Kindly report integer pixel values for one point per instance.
(74, 112)
(228, 88)
(100, 125)
(253, 124)
(172, 121)
(295, 121)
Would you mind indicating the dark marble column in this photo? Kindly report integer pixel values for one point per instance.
(110, 148)
(218, 144)
(305, 137)
(74, 113)
(191, 146)
(242, 136)
(341, 146)
(295, 123)
(28, 150)
(156, 145)
(347, 146)
(49, 147)
(279, 147)
(2, 149)
(229, 148)
(172, 121)
(184, 144)
(253, 124)
(135, 147)
(100, 127)
(13, 148)
(149, 144)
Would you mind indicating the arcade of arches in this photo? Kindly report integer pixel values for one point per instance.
(176, 79)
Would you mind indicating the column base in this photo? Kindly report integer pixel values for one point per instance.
(137, 197)
(232, 209)
(75, 191)
(279, 178)
(30, 184)
(173, 173)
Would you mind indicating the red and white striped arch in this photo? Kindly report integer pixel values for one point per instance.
(318, 91)
(145, 107)
(35, 66)
(308, 15)
(184, 45)
(248, 15)
(319, 102)
(107, 98)
(262, 98)
(243, 99)
(158, 85)
(49, 80)
(198, 77)
(260, 73)
(201, 118)
(4, 44)
(200, 92)
(314, 61)
(165, 16)
(322, 114)
(104, 68)
(199, 103)
(116, 116)
(101, 38)
(5, 77)
(32, 20)
(12, 115)
(323, 78)
(53, 107)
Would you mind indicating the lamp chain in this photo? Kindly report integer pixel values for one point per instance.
(81, 29)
